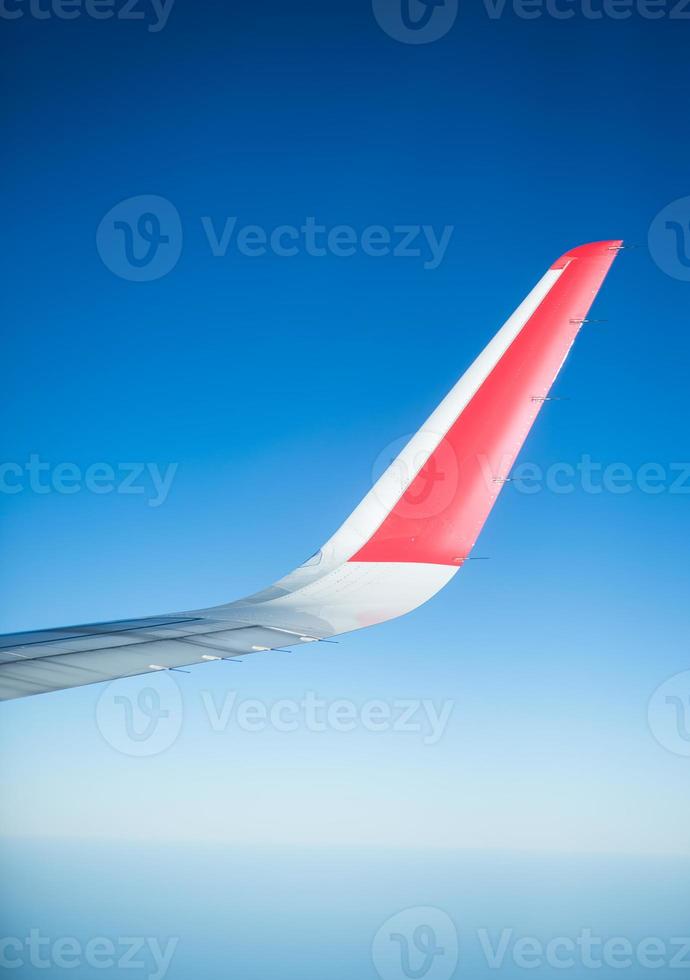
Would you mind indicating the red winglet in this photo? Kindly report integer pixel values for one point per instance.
(438, 518)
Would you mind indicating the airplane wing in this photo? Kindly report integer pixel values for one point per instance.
(407, 538)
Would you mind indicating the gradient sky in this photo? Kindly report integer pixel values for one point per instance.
(275, 384)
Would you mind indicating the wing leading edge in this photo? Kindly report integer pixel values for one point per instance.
(405, 540)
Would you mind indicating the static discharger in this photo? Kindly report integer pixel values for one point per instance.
(268, 649)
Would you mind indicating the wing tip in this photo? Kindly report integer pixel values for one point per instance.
(591, 250)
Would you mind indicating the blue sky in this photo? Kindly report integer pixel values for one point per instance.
(272, 385)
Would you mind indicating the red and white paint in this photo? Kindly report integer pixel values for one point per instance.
(421, 520)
